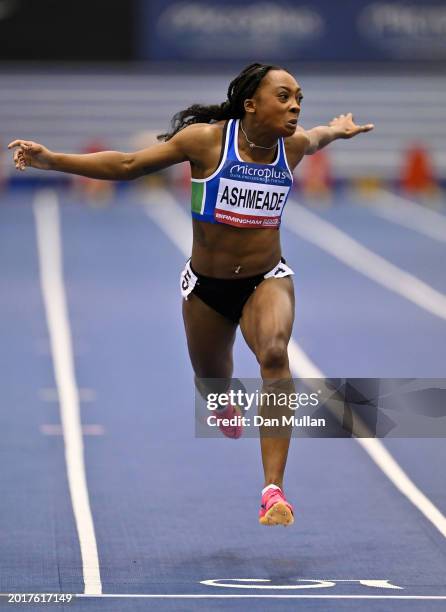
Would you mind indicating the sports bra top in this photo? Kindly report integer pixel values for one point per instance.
(240, 193)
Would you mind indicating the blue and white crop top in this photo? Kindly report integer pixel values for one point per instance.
(240, 193)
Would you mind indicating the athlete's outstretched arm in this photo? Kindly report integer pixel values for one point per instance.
(111, 165)
(339, 127)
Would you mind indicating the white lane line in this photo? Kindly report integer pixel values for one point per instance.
(381, 456)
(406, 213)
(329, 238)
(51, 276)
(305, 368)
(175, 223)
(49, 394)
(300, 363)
(165, 211)
(51, 429)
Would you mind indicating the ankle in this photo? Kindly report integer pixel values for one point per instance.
(277, 482)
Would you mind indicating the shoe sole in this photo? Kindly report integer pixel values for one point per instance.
(230, 433)
(233, 433)
(279, 514)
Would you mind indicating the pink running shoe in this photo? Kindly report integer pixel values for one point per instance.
(235, 414)
(274, 509)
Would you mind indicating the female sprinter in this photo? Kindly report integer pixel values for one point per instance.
(242, 154)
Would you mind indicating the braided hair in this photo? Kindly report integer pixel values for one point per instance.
(240, 89)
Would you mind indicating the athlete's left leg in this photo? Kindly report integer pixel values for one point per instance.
(266, 324)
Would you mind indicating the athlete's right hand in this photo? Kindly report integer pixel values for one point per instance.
(28, 153)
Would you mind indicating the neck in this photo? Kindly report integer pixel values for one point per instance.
(264, 150)
(258, 134)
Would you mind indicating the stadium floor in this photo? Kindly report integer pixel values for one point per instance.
(171, 511)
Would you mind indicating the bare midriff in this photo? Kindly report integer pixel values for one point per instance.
(223, 251)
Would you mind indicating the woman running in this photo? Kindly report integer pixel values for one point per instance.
(242, 155)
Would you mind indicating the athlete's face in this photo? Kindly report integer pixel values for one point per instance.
(277, 102)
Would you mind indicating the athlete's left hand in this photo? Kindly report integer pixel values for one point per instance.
(346, 127)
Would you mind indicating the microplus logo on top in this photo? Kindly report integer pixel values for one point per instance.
(260, 174)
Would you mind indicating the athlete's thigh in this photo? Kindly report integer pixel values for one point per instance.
(210, 338)
(268, 315)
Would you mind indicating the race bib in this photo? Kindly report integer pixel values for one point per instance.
(252, 195)
(188, 280)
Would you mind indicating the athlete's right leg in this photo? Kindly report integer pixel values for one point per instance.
(210, 338)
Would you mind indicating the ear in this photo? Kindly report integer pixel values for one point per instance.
(250, 105)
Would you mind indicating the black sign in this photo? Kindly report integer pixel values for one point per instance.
(68, 30)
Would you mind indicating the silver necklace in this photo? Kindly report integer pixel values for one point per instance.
(252, 144)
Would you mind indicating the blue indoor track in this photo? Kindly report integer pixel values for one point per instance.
(169, 510)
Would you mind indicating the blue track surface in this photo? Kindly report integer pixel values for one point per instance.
(171, 510)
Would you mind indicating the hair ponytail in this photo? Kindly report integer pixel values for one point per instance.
(240, 89)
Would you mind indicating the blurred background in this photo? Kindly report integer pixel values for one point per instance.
(90, 75)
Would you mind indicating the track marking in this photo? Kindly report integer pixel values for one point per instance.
(50, 394)
(54, 429)
(253, 583)
(329, 238)
(304, 368)
(174, 222)
(406, 213)
(300, 363)
(171, 218)
(49, 245)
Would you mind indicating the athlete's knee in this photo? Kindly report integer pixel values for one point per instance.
(274, 355)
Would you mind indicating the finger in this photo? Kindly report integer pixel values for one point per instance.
(19, 143)
(19, 158)
(26, 145)
(367, 127)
